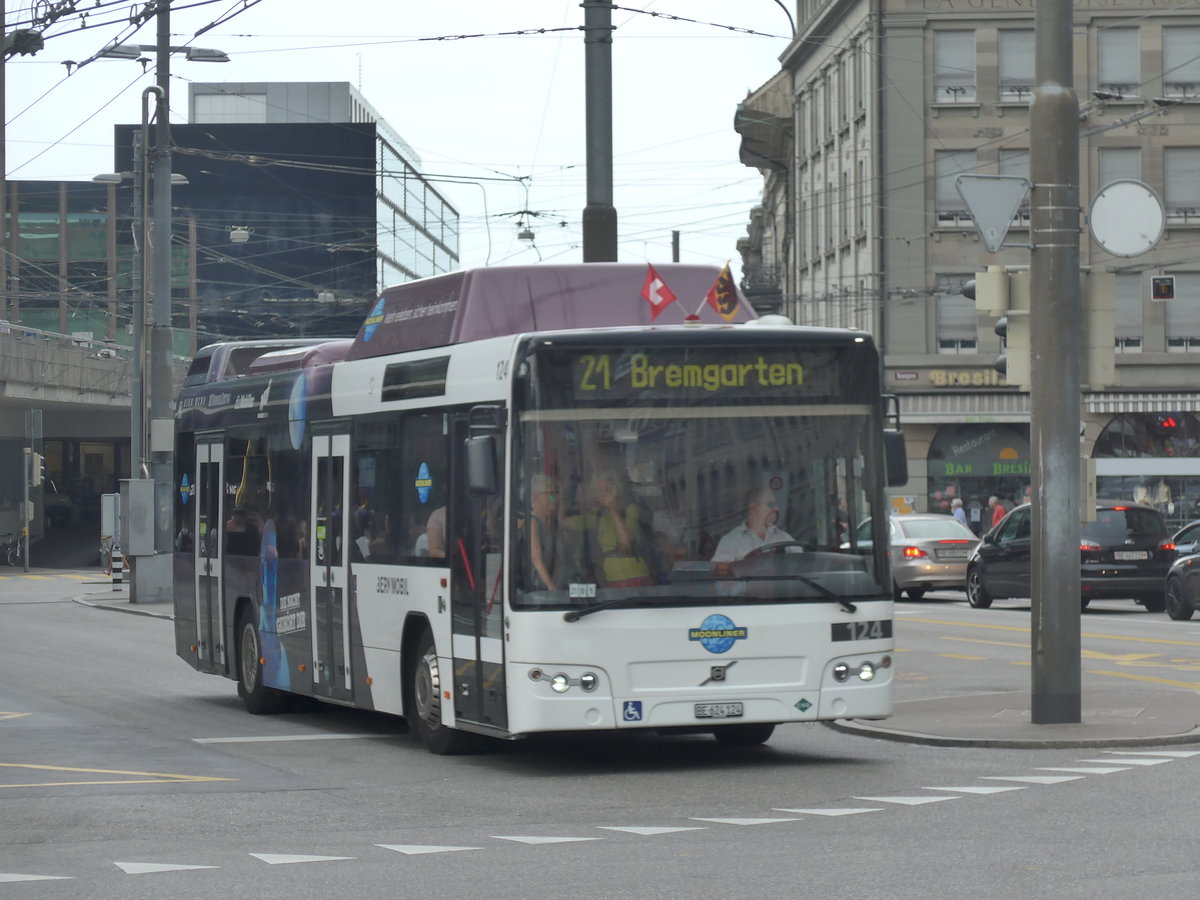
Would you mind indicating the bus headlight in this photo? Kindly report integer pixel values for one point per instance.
(589, 681)
(866, 670)
(560, 683)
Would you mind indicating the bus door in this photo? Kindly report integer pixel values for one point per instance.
(330, 627)
(477, 587)
(210, 492)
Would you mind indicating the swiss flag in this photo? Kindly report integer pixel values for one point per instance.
(656, 293)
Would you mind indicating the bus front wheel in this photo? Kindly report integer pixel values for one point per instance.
(258, 698)
(425, 703)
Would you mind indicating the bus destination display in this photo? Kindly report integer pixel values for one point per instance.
(704, 373)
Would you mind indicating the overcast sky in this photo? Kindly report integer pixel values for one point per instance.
(492, 107)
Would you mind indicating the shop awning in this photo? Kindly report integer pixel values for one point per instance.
(1142, 403)
(947, 407)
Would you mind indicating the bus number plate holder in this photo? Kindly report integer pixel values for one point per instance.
(719, 710)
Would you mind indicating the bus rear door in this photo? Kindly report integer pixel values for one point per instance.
(210, 618)
(329, 577)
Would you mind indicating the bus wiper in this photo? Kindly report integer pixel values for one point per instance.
(815, 585)
(828, 594)
(575, 615)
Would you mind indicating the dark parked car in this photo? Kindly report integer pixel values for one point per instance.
(1183, 587)
(1125, 552)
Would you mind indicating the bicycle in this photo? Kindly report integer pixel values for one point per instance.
(12, 548)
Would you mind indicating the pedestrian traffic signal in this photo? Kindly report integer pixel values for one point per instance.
(37, 469)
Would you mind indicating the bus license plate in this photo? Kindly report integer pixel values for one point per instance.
(718, 710)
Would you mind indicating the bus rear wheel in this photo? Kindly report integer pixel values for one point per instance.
(425, 704)
(258, 699)
(749, 735)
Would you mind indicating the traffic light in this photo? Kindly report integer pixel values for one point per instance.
(1097, 361)
(1013, 329)
(989, 290)
(37, 469)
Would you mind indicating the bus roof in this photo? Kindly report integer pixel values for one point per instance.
(490, 302)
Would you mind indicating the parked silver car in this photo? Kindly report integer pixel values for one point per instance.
(929, 551)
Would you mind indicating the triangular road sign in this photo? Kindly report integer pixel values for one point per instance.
(993, 201)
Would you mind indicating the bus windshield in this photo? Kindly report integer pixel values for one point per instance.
(663, 476)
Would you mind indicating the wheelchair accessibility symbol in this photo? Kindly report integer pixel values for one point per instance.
(632, 711)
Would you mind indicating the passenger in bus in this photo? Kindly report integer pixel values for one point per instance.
(547, 550)
(242, 535)
(670, 527)
(435, 533)
(615, 539)
(757, 530)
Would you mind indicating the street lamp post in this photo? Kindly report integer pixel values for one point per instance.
(153, 447)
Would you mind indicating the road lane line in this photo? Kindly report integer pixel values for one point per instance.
(1150, 678)
(1087, 634)
(147, 777)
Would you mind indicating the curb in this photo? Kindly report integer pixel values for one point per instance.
(132, 609)
(851, 726)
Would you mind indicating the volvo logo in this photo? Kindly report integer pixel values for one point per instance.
(717, 673)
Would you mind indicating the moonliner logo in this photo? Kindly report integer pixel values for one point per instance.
(717, 633)
(371, 322)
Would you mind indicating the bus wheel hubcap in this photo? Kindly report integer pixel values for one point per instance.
(249, 657)
(428, 690)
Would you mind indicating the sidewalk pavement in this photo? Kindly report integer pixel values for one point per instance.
(1129, 714)
(1112, 715)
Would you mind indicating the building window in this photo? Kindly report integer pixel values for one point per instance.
(954, 67)
(1016, 66)
(1016, 164)
(1181, 64)
(862, 199)
(844, 207)
(1120, 65)
(948, 165)
(1127, 312)
(845, 66)
(214, 109)
(1119, 164)
(956, 332)
(1182, 315)
(1181, 185)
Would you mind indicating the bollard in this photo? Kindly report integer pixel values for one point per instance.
(118, 564)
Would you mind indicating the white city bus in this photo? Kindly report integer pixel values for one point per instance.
(493, 516)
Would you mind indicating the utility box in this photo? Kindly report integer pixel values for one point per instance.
(137, 517)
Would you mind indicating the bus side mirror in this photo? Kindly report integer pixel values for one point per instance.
(895, 457)
(481, 464)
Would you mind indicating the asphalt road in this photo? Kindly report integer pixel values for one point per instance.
(123, 773)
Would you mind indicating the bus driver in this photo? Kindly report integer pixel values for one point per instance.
(758, 529)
